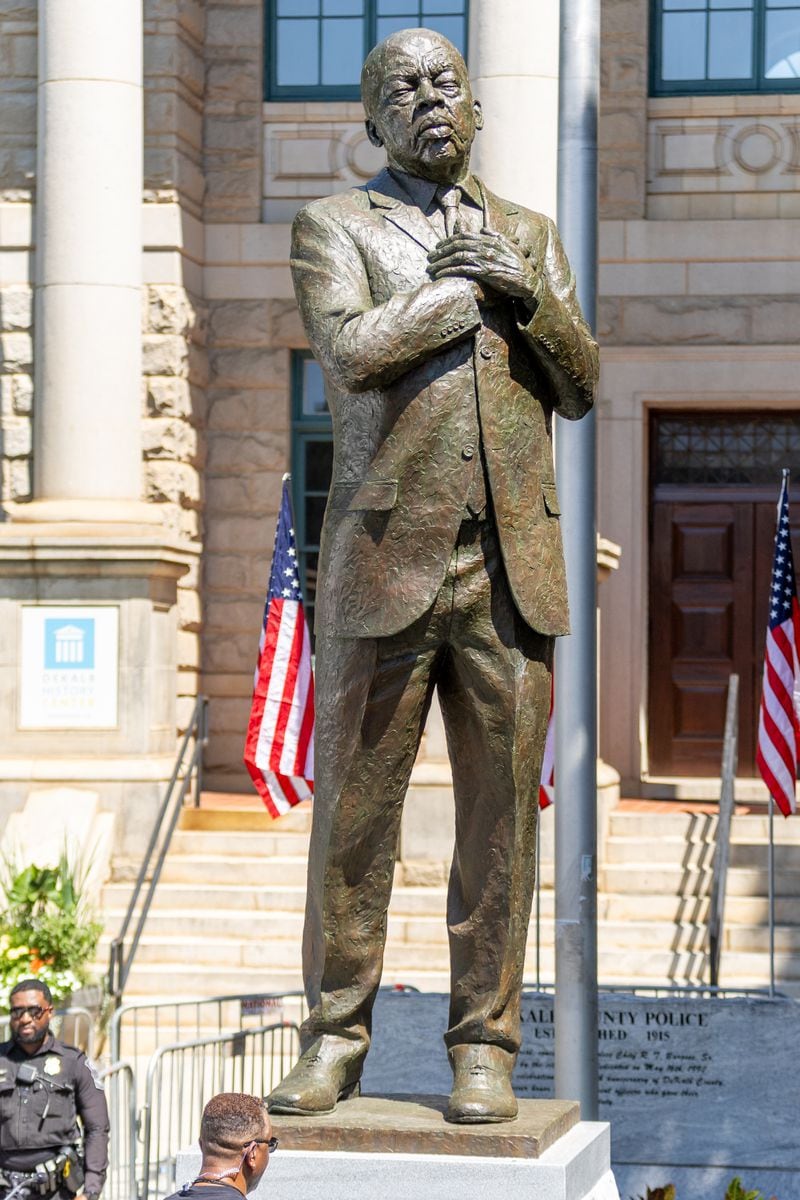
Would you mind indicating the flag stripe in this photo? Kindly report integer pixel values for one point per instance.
(279, 751)
(778, 749)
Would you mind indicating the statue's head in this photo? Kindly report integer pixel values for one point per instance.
(416, 94)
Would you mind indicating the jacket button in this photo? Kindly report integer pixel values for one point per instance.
(485, 352)
(468, 451)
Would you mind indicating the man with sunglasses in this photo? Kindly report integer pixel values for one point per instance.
(235, 1142)
(51, 1104)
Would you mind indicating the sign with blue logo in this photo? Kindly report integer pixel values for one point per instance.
(69, 645)
(69, 667)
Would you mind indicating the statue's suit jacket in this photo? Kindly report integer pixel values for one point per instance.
(407, 362)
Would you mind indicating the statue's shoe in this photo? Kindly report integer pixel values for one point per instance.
(482, 1091)
(329, 1071)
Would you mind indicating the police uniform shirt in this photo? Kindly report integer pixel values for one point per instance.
(27, 1134)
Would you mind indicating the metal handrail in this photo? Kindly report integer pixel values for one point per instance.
(716, 912)
(120, 1087)
(120, 959)
(174, 1019)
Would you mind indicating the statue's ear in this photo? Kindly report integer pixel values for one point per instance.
(372, 132)
(478, 111)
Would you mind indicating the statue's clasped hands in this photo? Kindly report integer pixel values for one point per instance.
(492, 261)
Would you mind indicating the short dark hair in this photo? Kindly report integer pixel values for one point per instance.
(32, 985)
(230, 1120)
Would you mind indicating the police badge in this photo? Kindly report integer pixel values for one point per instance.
(52, 1065)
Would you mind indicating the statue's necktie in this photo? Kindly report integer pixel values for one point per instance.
(449, 199)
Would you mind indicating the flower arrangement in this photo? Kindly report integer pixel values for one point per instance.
(47, 929)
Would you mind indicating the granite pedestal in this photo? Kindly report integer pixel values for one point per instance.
(402, 1147)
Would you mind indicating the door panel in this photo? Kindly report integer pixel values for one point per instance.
(709, 585)
(700, 614)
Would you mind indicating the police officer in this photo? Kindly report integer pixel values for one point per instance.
(45, 1088)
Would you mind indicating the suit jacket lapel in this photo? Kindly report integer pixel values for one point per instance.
(386, 193)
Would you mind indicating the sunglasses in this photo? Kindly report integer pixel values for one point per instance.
(270, 1143)
(33, 1010)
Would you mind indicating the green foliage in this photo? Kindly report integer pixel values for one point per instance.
(736, 1192)
(46, 927)
(661, 1193)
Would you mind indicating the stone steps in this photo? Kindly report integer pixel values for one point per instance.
(228, 912)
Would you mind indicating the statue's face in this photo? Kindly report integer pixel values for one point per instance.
(423, 111)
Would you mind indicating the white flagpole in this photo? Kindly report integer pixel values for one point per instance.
(771, 884)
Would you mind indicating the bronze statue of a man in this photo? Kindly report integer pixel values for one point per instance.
(446, 324)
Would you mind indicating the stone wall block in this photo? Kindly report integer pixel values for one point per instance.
(249, 451)
(165, 354)
(19, 114)
(776, 320)
(623, 127)
(244, 494)
(175, 482)
(167, 309)
(16, 438)
(622, 187)
(188, 649)
(23, 56)
(287, 326)
(22, 394)
(623, 71)
(16, 395)
(230, 81)
(254, 534)
(232, 572)
(18, 10)
(17, 479)
(190, 616)
(197, 368)
(234, 653)
(190, 525)
(168, 396)
(609, 320)
(709, 320)
(233, 134)
(234, 26)
(227, 615)
(170, 439)
(16, 308)
(249, 368)
(239, 323)
(251, 410)
(16, 353)
(628, 17)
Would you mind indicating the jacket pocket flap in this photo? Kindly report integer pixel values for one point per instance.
(376, 495)
(551, 499)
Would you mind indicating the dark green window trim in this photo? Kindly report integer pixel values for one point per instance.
(755, 82)
(274, 91)
(312, 437)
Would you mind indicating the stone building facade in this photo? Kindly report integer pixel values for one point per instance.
(699, 282)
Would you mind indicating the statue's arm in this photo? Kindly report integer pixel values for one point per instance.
(559, 336)
(362, 345)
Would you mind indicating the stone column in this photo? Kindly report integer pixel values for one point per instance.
(513, 63)
(87, 410)
(87, 559)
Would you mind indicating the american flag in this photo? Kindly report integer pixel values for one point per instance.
(279, 749)
(778, 752)
(547, 782)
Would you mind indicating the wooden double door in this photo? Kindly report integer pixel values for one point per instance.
(711, 549)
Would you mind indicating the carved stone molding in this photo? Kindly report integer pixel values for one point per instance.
(724, 154)
(306, 158)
